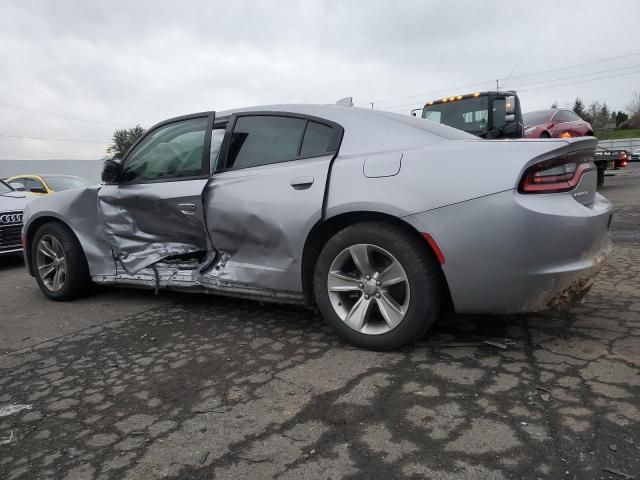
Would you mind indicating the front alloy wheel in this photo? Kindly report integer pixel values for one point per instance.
(51, 263)
(58, 262)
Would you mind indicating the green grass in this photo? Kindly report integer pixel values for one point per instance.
(616, 134)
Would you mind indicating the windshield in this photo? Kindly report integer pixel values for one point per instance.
(58, 184)
(4, 188)
(536, 118)
(469, 114)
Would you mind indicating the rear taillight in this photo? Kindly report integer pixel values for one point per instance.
(622, 163)
(557, 175)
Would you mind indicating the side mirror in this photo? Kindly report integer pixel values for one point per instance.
(37, 190)
(17, 186)
(111, 170)
(512, 130)
(510, 105)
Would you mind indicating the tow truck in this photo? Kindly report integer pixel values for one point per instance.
(484, 114)
(497, 115)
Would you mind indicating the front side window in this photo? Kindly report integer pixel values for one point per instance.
(170, 152)
(29, 183)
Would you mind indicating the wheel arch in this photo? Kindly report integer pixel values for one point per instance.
(324, 230)
(31, 230)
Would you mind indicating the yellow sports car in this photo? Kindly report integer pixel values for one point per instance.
(45, 184)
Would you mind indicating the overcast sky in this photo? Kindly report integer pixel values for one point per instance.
(123, 63)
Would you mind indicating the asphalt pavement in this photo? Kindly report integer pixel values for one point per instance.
(124, 384)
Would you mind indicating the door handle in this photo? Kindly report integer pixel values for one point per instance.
(187, 208)
(300, 183)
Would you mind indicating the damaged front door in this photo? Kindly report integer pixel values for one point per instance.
(154, 210)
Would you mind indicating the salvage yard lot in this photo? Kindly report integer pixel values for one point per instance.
(127, 385)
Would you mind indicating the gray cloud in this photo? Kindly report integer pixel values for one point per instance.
(140, 62)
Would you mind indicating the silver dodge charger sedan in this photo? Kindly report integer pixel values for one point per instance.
(378, 219)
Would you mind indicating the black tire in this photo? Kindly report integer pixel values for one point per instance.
(423, 274)
(600, 181)
(545, 135)
(77, 280)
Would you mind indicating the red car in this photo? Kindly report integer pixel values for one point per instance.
(555, 123)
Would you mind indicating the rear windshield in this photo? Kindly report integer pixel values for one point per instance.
(469, 114)
(536, 118)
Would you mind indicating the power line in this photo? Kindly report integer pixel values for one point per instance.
(510, 78)
(609, 59)
(582, 81)
(54, 139)
(396, 107)
(577, 76)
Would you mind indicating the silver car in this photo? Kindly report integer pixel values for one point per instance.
(12, 203)
(378, 219)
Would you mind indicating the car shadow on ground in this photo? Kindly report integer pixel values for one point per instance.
(11, 260)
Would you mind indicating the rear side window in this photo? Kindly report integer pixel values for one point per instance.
(317, 138)
(572, 117)
(561, 117)
(263, 139)
(266, 139)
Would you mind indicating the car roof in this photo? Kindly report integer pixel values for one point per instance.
(368, 130)
(550, 111)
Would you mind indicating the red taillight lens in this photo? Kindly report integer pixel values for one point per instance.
(622, 163)
(557, 175)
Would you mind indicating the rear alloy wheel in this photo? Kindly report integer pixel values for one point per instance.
(59, 263)
(376, 286)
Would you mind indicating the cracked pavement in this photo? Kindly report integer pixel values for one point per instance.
(127, 385)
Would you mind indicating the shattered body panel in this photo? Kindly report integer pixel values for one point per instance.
(145, 223)
(245, 229)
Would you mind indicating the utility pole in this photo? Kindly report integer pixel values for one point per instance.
(497, 86)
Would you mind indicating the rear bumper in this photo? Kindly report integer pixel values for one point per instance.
(512, 253)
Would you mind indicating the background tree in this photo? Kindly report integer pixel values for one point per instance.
(634, 105)
(621, 117)
(579, 108)
(123, 138)
(554, 104)
(634, 112)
